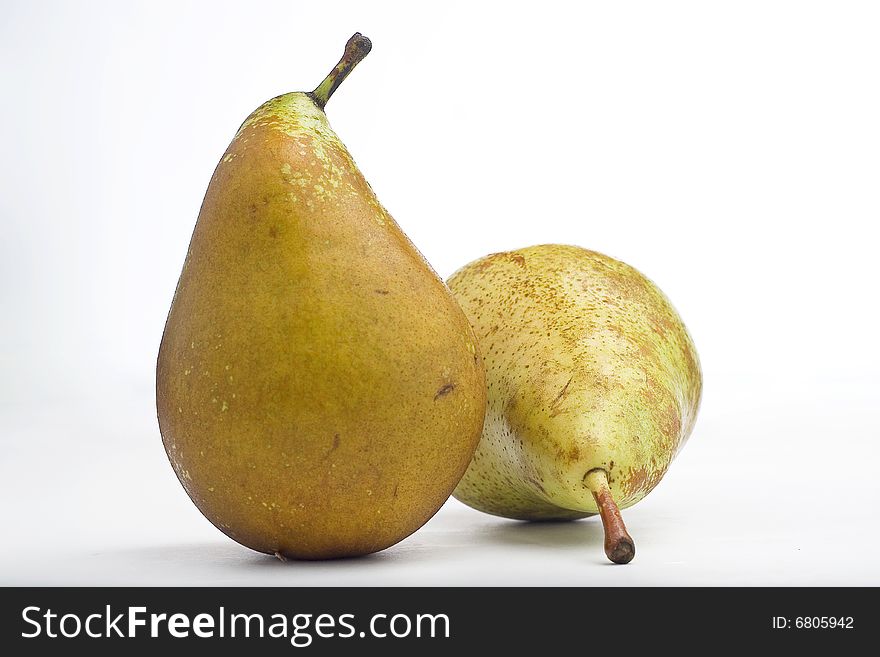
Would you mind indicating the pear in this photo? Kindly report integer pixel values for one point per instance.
(319, 390)
(594, 386)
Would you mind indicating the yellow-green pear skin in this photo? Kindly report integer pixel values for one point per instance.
(589, 369)
(319, 390)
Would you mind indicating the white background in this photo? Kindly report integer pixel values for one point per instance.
(731, 151)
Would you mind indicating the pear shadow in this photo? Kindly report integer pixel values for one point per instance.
(555, 534)
(585, 536)
(259, 560)
(232, 556)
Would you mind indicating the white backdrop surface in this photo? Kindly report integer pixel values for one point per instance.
(730, 151)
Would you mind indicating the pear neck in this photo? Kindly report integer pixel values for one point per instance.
(292, 114)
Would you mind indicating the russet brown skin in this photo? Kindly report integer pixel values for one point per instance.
(319, 389)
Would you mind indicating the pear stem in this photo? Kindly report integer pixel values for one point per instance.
(619, 546)
(356, 49)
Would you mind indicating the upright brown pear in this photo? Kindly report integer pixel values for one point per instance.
(319, 390)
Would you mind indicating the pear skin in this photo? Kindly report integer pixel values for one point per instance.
(319, 390)
(594, 386)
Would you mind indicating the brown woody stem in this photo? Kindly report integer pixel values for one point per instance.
(619, 546)
(356, 49)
